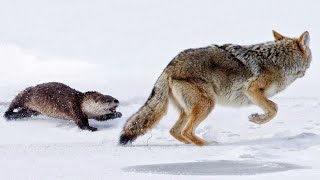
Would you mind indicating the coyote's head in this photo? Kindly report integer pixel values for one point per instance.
(302, 42)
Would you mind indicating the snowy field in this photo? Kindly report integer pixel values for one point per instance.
(120, 48)
(287, 147)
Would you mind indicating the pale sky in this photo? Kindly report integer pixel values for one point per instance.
(138, 38)
(102, 29)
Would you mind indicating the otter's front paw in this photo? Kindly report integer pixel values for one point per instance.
(117, 115)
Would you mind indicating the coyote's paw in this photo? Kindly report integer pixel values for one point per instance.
(258, 118)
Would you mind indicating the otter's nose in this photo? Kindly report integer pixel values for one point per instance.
(115, 101)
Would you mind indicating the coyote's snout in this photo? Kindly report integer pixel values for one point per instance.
(197, 79)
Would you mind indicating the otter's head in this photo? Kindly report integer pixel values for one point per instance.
(96, 104)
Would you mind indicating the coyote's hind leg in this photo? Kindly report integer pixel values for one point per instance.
(197, 102)
(176, 130)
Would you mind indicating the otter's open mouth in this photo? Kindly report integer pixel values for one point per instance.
(113, 109)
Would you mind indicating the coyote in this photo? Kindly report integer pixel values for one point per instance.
(61, 101)
(234, 75)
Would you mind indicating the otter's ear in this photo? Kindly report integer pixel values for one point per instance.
(304, 40)
(277, 36)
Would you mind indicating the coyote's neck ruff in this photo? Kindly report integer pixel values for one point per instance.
(257, 56)
(197, 79)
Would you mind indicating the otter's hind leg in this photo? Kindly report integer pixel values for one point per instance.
(22, 113)
(18, 103)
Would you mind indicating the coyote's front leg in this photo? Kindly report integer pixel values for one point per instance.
(255, 92)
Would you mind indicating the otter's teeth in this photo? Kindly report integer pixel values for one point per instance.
(113, 109)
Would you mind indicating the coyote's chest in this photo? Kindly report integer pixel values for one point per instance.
(276, 87)
(236, 95)
(273, 89)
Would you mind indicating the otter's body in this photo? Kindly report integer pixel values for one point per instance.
(61, 101)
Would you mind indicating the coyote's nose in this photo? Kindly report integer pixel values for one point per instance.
(115, 101)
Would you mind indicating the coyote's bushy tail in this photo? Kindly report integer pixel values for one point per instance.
(149, 114)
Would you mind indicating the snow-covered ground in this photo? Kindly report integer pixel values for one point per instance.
(287, 147)
(119, 47)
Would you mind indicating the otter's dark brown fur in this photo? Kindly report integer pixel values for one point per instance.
(58, 100)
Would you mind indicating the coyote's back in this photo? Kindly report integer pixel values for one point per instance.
(197, 79)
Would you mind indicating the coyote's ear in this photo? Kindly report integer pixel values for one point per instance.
(304, 40)
(277, 36)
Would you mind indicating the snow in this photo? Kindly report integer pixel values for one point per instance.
(288, 146)
(120, 48)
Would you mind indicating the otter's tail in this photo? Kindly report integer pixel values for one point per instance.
(149, 114)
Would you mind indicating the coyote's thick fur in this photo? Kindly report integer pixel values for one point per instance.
(197, 79)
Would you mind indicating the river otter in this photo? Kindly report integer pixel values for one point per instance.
(58, 100)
